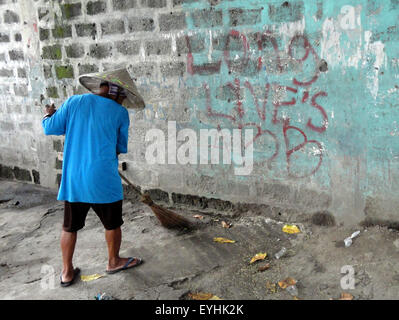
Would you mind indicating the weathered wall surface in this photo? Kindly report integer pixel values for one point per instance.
(316, 80)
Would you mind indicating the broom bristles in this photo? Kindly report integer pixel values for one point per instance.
(168, 218)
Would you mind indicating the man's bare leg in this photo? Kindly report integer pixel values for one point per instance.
(68, 241)
(114, 240)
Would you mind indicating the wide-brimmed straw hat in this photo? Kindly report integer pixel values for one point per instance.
(119, 77)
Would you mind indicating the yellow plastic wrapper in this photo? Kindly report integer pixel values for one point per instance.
(290, 228)
(91, 277)
(223, 240)
(258, 256)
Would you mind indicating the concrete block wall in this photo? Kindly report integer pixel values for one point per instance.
(316, 80)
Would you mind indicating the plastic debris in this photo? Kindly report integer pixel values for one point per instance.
(291, 228)
(104, 296)
(292, 290)
(271, 287)
(346, 296)
(203, 296)
(223, 240)
(264, 267)
(226, 225)
(281, 253)
(284, 284)
(258, 256)
(199, 217)
(91, 277)
(348, 241)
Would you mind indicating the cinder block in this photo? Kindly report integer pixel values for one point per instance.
(6, 172)
(63, 72)
(47, 71)
(141, 24)
(286, 12)
(42, 12)
(101, 51)
(52, 92)
(7, 126)
(11, 17)
(96, 7)
(62, 31)
(158, 47)
(75, 50)
(44, 34)
(52, 52)
(240, 16)
(21, 90)
(173, 69)
(143, 70)
(87, 68)
(6, 73)
(17, 37)
(72, 10)
(86, 30)
(196, 43)
(153, 3)
(22, 174)
(207, 18)
(172, 21)
(16, 55)
(113, 27)
(123, 4)
(128, 47)
(36, 176)
(58, 146)
(58, 164)
(28, 126)
(4, 37)
(21, 73)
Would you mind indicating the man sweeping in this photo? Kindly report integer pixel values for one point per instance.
(95, 126)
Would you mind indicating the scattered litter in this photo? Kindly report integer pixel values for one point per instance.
(203, 296)
(284, 284)
(104, 296)
(346, 296)
(258, 256)
(348, 241)
(264, 267)
(91, 277)
(271, 287)
(223, 240)
(198, 216)
(226, 225)
(291, 228)
(281, 253)
(292, 290)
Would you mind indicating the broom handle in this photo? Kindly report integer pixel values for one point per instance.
(130, 183)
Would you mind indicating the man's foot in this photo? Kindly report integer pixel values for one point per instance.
(68, 279)
(123, 264)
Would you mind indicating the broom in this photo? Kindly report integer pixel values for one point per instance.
(167, 218)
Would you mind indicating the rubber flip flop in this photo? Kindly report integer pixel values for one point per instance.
(126, 266)
(76, 272)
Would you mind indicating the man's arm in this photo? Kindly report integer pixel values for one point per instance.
(123, 133)
(54, 121)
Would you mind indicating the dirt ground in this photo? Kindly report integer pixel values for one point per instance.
(179, 263)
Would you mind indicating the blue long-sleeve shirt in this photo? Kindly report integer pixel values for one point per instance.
(95, 129)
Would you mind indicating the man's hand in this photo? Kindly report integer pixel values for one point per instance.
(50, 110)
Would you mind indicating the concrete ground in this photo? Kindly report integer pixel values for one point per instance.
(178, 263)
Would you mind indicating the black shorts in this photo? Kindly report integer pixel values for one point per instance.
(75, 214)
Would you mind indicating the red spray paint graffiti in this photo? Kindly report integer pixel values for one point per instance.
(236, 117)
